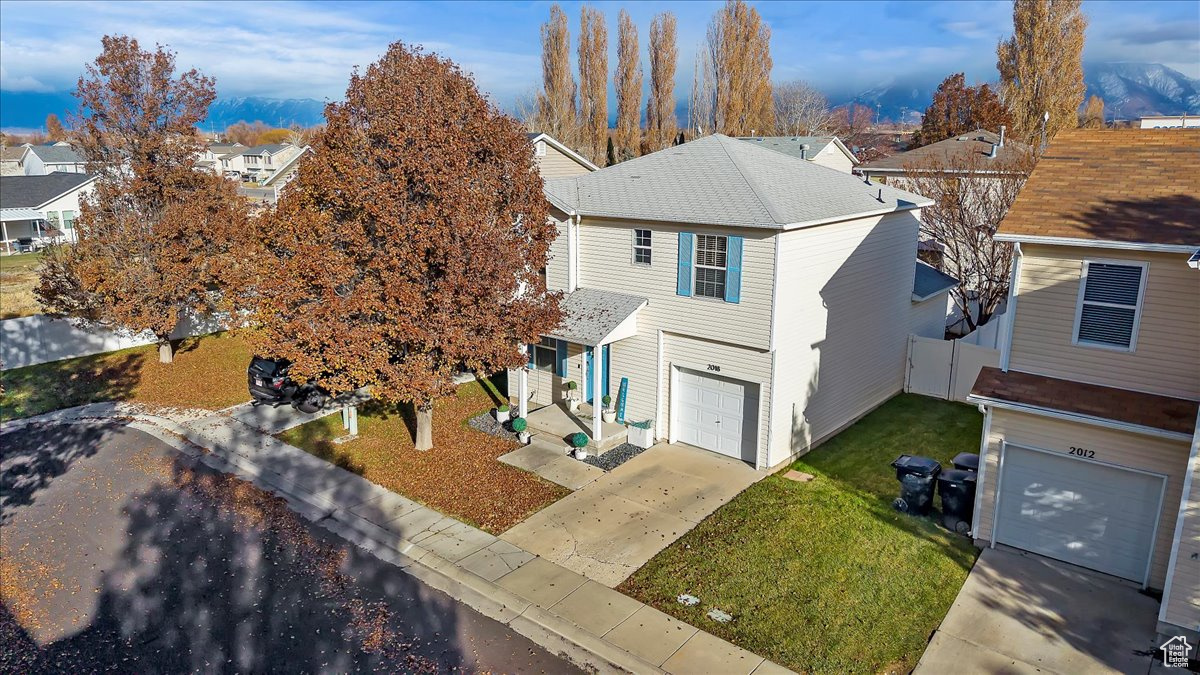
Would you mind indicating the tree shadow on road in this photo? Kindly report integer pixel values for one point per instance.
(28, 468)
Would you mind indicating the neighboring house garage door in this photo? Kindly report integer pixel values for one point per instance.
(717, 413)
(1094, 515)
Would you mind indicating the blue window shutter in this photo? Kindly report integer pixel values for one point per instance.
(733, 269)
(561, 362)
(686, 247)
(529, 351)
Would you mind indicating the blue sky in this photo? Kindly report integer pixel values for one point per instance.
(306, 49)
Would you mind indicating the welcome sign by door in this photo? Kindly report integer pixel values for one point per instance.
(621, 400)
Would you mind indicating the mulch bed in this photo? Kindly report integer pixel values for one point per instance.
(460, 476)
(486, 422)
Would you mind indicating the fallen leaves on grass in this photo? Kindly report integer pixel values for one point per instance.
(460, 476)
(208, 372)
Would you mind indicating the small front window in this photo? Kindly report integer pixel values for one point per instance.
(710, 266)
(641, 247)
(545, 354)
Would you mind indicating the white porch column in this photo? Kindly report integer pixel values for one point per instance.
(523, 385)
(597, 380)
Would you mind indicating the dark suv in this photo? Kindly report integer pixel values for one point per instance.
(269, 383)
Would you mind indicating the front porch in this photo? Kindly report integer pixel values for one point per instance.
(558, 421)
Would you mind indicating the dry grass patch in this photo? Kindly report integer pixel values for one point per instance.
(460, 476)
(209, 372)
(18, 278)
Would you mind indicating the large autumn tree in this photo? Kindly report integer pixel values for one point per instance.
(1041, 66)
(156, 239)
(556, 101)
(410, 250)
(736, 70)
(957, 108)
(593, 83)
(628, 85)
(661, 123)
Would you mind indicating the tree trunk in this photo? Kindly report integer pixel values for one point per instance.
(166, 351)
(425, 426)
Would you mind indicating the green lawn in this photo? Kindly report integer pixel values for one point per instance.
(208, 372)
(18, 278)
(825, 576)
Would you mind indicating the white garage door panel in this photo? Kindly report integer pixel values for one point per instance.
(717, 414)
(1084, 513)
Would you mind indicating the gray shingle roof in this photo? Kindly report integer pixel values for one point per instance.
(790, 145)
(978, 142)
(56, 154)
(33, 191)
(929, 281)
(718, 180)
(590, 314)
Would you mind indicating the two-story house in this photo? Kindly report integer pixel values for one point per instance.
(754, 303)
(58, 157)
(824, 150)
(1089, 448)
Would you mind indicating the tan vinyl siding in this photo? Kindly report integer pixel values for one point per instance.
(555, 164)
(845, 310)
(739, 363)
(1183, 605)
(1167, 356)
(606, 261)
(1120, 448)
(556, 266)
(834, 158)
(547, 387)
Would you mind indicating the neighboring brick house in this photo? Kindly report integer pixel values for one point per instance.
(755, 303)
(1091, 433)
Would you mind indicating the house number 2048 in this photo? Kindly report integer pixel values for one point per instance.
(1083, 452)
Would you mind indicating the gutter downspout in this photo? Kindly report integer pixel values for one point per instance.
(572, 253)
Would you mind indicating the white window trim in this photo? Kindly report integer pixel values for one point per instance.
(539, 149)
(649, 249)
(696, 266)
(1137, 310)
(534, 353)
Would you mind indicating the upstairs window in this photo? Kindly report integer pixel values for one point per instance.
(641, 247)
(711, 261)
(1109, 307)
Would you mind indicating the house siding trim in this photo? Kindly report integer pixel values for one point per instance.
(1076, 417)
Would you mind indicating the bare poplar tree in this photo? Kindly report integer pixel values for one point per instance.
(556, 102)
(739, 50)
(701, 103)
(971, 194)
(593, 83)
(628, 86)
(1041, 67)
(801, 110)
(661, 125)
(1093, 113)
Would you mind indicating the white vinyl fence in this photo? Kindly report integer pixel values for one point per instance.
(945, 369)
(30, 340)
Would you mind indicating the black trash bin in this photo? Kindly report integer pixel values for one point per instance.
(967, 461)
(957, 488)
(916, 476)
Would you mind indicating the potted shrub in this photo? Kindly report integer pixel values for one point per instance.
(641, 434)
(572, 395)
(579, 441)
(609, 413)
(502, 414)
(519, 425)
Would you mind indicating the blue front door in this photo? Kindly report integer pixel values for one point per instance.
(587, 396)
(591, 372)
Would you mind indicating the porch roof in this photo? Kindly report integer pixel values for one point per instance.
(594, 317)
(9, 215)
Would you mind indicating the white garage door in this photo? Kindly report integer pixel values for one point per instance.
(1094, 515)
(717, 413)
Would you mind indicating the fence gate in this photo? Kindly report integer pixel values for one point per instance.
(929, 366)
(945, 369)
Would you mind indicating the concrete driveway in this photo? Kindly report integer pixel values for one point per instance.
(613, 525)
(1022, 613)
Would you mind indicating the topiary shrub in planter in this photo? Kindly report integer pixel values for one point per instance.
(519, 425)
(609, 412)
(502, 414)
(641, 434)
(579, 440)
(572, 396)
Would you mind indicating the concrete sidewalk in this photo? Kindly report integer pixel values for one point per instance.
(592, 625)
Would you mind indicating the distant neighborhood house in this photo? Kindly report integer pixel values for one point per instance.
(827, 151)
(555, 160)
(39, 160)
(36, 210)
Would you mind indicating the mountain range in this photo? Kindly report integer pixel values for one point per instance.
(1129, 90)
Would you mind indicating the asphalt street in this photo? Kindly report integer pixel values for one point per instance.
(118, 554)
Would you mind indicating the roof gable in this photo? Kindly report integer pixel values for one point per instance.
(34, 191)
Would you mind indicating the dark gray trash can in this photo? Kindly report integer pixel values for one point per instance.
(916, 476)
(957, 488)
(967, 461)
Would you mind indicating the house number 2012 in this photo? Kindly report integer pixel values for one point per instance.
(714, 367)
(1083, 452)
